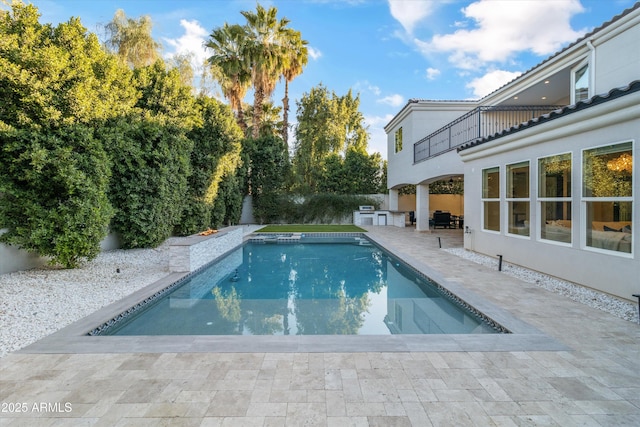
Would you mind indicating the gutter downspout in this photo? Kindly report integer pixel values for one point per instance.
(592, 69)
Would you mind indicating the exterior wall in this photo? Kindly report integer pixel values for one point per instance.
(608, 271)
(453, 203)
(617, 56)
(418, 120)
(14, 259)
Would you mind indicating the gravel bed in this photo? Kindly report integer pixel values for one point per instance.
(612, 305)
(35, 303)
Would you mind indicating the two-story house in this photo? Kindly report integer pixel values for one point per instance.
(547, 161)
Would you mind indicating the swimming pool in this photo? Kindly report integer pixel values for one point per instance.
(307, 286)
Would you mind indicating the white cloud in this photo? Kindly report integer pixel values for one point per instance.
(432, 73)
(410, 12)
(314, 53)
(192, 41)
(365, 85)
(491, 81)
(392, 100)
(504, 28)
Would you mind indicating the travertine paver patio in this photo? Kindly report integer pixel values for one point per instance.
(594, 380)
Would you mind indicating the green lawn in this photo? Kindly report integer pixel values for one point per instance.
(311, 228)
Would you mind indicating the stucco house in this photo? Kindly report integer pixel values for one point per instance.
(547, 161)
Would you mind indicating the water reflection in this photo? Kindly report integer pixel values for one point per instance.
(308, 289)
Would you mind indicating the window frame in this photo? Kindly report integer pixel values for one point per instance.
(509, 199)
(584, 63)
(564, 199)
(585, 200)
(484, 200)
(398, 141)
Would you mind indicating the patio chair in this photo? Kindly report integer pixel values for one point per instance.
(442, 219)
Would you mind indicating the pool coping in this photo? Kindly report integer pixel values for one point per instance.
(523, 337)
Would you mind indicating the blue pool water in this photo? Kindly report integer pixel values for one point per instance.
(348, 288)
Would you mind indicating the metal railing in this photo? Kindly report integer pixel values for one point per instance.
(477, 123)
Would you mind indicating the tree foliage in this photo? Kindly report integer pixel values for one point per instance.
(56, 75)
(214, 194)
(131, 40)
(53, 183)
(328, 124)
(150, 165)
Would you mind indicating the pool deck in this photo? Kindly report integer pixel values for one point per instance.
(566, 364)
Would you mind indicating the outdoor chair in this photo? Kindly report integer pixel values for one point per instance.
(442, 219)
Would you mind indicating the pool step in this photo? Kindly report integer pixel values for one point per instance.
(264, 238)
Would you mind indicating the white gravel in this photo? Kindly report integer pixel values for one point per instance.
(616, 306)
(35, 303)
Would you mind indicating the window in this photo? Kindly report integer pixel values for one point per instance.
(518, 198)
(398, 139)
(607, 194)
(580, 83)
(491, 199)
(554, 197)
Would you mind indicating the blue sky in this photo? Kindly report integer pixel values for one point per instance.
(387, 51)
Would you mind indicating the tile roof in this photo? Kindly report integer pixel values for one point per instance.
(561, 112)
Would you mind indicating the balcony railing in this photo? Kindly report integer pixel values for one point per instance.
(477, 123)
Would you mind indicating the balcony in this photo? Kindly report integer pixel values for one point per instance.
(477, 123)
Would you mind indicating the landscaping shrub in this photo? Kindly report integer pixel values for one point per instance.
(214, 192)
(53, 183)
(150, 165)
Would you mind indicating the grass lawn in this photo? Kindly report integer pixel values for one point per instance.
(311, 228)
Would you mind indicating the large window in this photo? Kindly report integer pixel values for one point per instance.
(398, 140)
(491, 199)
(607, 194)
(554, 197)
(580, 83)
(518, 198)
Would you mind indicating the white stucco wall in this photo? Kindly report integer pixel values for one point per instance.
(617, 56)
(418, 120)
(608, 271)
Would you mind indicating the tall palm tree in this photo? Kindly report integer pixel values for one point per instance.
(266, 55)
(229, 44)
(131, 39)
(298, 56)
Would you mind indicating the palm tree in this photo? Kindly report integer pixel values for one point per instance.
(229, 44)
(296, 50)
(270, 119)
(266, 55)
(131, 40)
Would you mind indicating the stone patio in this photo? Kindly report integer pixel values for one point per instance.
(567, 364)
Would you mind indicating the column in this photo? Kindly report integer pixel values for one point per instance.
(422, 207)
(393, 200)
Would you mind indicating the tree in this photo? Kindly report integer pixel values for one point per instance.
(164, 95)
(228, 44)
(131, 40)
(327, 124)
(266, 55)
(150, 165)
(55, 76)
(215, 161)
(57, 88)
(297, 57)
(53, 183)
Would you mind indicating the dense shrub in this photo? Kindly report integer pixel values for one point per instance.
(315, 208)
(53, 183)
(150, 165)
(214, 193)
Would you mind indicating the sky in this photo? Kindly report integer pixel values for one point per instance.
(385, 51)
